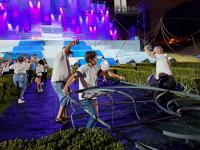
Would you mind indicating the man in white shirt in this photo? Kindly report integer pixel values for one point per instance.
(163, 77)
(61, 72)
(87, 75)
(162, 62)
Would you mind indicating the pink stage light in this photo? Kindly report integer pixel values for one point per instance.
(115, 32)
(95, 28)
(5, 16)
(52, 17)
(111, 32)
(101, 11)
(90, 29)
(10, 28)
(30, 4)
(80, 19)
(107, 12)
(102, 19)
(61, 11)
(38, 4)
(92, 11)
(1, 6)
(17, 28)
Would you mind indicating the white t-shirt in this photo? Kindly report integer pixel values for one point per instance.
(28, 65)
(18, 67)
(162, 65)
(104, 65)
(90, 77)
(5, 67)
(39, 70)
(60, 69)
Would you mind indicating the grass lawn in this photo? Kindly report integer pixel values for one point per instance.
(5, 104)
(183, 58)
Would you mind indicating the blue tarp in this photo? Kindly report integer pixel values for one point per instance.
(81, 46)
(27, 48)
(31, 43)
(81, 53)
(15, 55)
(80, 43)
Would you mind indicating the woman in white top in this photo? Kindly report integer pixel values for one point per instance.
(5, 65)
(162, 62)
(104, 67)
(44, 74)
(39, 70)
(28, 66)
(20, 77)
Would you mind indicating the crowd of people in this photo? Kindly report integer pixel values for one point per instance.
(26, 70)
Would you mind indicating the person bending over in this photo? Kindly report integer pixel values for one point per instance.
(87, 75)
(162, 62)
(61, 72)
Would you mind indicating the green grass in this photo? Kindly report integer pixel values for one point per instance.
(183, 58)
(5, 104)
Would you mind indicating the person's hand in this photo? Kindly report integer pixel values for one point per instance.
(122, 78)
(148, 47)
(65, 90)
(76, 42)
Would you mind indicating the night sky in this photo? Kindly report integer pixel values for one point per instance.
(184, 19)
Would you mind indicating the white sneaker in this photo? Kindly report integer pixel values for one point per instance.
(41, 90)
(20, 101)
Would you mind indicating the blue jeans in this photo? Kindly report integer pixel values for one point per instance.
(20, 80)
(63, 98)
(89, 105)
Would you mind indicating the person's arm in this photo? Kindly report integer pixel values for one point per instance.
(46, 67)
(148, 52)
(169, 63)
(61, 54)
(71, 79)
(116, 76)
(11, 66)
(71, 44)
